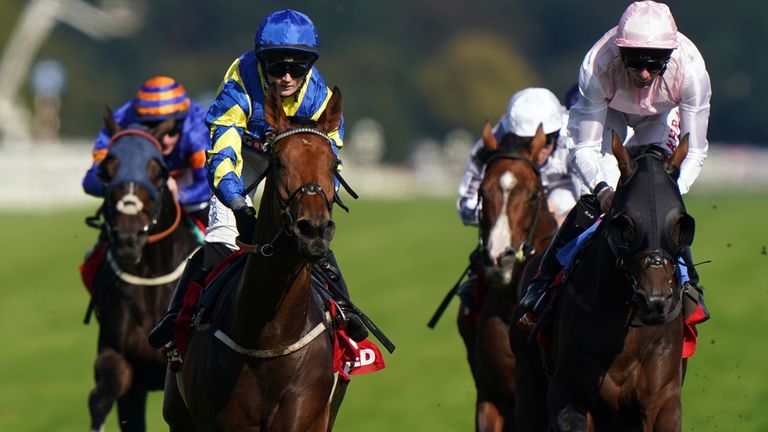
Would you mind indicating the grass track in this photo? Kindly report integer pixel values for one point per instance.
(399, 258)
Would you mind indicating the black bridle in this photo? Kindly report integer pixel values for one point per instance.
(288, 211)
(527, 248)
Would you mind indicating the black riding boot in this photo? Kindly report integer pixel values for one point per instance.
(353, 325)
(696, 297)
(581, 217)
(163, 331)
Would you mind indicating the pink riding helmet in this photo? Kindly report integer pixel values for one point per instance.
(647, 24)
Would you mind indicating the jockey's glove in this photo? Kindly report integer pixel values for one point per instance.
(245, 218)
(605, 196)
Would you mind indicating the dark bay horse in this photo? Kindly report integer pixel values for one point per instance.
(515, 225)
(611, 359)
(266, 361)
(146, 252)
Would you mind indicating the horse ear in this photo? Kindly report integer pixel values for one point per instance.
(331, 118)
(621, 154)
(678, 156)
(274, 113)
(538, 143)
(489, 141)
(109, 121)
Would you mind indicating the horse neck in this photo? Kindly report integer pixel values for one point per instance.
(273, 301)
(601, 282)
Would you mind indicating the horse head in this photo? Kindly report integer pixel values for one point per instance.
(512, 197)
(301, 175)
(648, 226)
(135, 177)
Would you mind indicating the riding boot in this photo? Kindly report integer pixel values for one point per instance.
(351, 323)
(694, 294)
(163, 331)
(581, 217)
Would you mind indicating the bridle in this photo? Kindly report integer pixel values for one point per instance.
(289, 211)
(131, 204)
(527, 248)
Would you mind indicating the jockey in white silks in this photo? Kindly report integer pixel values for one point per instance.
(527, 109)
(642, 74)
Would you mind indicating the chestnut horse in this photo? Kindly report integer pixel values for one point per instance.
(613, 350)
(266, 361)
(515, 225)
(146, 251)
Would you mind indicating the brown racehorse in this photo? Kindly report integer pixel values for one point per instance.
(515, 224)
(613, 349)
(147, 247)
(266, 362)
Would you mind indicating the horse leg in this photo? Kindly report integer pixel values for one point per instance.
(669, 417)
(487, 417)
(175, 411)
(530, 385)
(565, 414)
(131, 410)
(113, 377)
(336, 399)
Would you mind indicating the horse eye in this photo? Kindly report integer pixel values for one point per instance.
(534, 196)
(625, 227)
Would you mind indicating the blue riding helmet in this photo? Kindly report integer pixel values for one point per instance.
(287, 30)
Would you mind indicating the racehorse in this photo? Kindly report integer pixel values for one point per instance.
(611, 358)
(145, 254)
(515, 225)
(266, 361)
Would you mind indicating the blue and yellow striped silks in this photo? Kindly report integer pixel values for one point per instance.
(239, 107)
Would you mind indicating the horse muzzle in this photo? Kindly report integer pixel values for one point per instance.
(657, 309)
(500, 271)
(314, 237)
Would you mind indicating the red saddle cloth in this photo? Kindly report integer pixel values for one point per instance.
(92, 264)
(690, 334)
(349, 357)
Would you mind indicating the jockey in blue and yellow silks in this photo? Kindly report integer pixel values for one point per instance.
(184, 146)
(238, 110)
(286, 48)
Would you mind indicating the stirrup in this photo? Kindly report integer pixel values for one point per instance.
(528, 321)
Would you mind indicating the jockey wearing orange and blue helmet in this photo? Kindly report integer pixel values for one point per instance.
(158, 99)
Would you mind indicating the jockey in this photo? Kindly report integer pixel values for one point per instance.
(286, 47)
(636, 75)
(159, 99)
(527, 109)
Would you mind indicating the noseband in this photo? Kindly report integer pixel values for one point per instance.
(526, 249)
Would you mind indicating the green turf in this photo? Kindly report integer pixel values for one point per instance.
(399, 258)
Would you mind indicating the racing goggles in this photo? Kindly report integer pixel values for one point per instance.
(652, 66)
(279, 69)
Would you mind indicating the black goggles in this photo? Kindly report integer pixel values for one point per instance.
(652, 66)
(173, 132)
(279, 69)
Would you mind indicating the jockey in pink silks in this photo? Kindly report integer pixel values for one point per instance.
(641, 74)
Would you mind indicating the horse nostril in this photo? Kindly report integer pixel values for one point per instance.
(306, 228)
